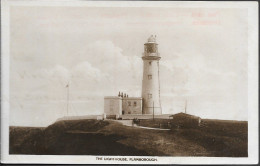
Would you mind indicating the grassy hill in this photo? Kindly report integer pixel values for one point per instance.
(93, 137)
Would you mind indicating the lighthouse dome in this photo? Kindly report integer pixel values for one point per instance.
(152, 38)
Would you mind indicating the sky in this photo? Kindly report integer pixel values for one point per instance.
(98, 51)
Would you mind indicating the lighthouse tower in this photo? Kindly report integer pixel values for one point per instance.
(151, 83)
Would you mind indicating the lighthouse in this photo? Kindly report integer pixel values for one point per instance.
(124, 107)
(151, 81)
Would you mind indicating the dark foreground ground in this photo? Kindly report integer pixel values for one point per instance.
(93, 137)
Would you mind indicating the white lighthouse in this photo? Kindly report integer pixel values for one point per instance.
(151, 82)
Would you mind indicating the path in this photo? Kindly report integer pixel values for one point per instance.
(129, 123)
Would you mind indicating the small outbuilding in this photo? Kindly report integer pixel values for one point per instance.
(183, 120)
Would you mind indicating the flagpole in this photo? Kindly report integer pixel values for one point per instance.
(68, 99)
(186, 107)
(153, 110)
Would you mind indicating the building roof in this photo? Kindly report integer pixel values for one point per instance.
(124, 98)
(112, 97)
(152, 39)
(132, 98)
(181, 114)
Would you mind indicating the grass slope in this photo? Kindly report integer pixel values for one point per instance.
(92, 137)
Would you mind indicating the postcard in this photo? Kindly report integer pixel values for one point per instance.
(129, 82)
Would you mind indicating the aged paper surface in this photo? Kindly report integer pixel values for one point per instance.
(129, 82)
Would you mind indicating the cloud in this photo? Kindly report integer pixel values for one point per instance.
(86, 70)
(187, 75)
(58, 71)
(123, 72)
(79, 71)
(105, 73)
(106, 56)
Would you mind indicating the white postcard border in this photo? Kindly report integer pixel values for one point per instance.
(73, 159)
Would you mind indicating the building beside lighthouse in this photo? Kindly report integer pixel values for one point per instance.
(118, 106)
(149, 104)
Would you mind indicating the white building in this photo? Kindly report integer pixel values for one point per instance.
(115, 106)
(151, 82)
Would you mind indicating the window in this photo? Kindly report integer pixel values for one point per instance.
(150, 63)
(129, 112)
(129, 103)
(151, 48)
(149, 77)
(135, 103)
(150, 96)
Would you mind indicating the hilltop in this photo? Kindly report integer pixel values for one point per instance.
(98, 137)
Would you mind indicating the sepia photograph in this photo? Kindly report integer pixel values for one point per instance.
(124, 82)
